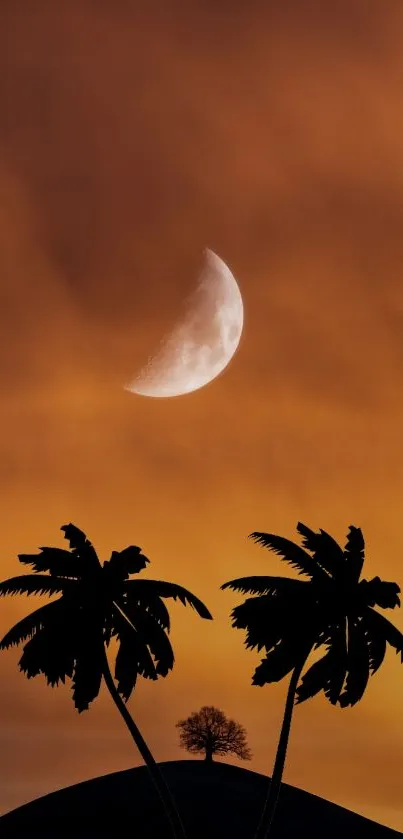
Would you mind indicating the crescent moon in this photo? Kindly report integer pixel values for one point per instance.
(200, 347)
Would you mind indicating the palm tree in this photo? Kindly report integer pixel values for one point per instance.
(69, 636)
(290, 618)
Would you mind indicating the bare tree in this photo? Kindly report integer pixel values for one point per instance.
(211, 732)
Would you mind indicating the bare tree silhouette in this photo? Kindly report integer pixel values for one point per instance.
(290, 618)
(69, 636)
(210, 732)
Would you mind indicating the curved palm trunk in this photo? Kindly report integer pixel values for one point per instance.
(270, 804)
(158, 779)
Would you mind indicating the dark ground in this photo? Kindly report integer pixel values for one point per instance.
(216, 802)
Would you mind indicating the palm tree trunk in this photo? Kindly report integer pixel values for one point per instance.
(157, 777)
(269, 809)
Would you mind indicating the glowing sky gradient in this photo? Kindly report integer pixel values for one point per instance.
(131, 135)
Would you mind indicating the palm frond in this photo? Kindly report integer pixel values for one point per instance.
(31, 661)
(326, 551)
(273, 617)
(266, 585)
(129, 561)
(156, 607)
(40, 584)
(329, 673)
(315, 679)
(88, 665)
(135, 646)
(376, 641)
(49, 652)
(385, 628)
(56, 560)
(338, 653)
(81, 546)
(108, 627)
(32, 623)
(277, 663)
(354, 552)
(154, 637)
(264, 620)
(160, 588)
(152, 604)
(378, 592)
(358, 664)
(290, 552)
(126, 665)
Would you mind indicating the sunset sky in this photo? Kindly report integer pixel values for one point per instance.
(134, 134)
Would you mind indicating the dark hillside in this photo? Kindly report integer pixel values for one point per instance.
(216, 802)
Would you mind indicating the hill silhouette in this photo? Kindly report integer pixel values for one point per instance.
(218, 801)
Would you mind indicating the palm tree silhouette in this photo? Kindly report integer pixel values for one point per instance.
(69, 636)
(289, 618)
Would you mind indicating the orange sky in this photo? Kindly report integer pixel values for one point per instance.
(132, 135)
